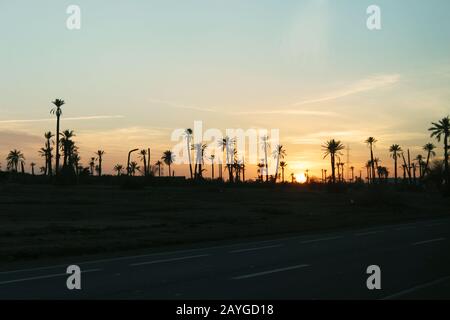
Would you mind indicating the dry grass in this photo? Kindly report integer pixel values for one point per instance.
(40, 222)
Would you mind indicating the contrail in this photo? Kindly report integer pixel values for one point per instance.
(65, 119)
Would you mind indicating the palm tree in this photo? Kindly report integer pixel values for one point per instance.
(67, 145)
(188, 135)
(168, 158)
(32, 167)
(226, 144)
(260, 166)
(279, 152)
(332, 148)
(58, 112)
(118, 168)
(100, 154)
(439, 129)
(158, 164)
(129, 158)
(429, 148)
(371, 142)
(212, 157)
(395, 149)
(92, 165)
(133, 168)
(48, 136)
(283, 165)
(14, 158)
(353, 173)
(143, 157)
(265, 144)
(419, 159)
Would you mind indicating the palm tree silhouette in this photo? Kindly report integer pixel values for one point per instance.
(283, 165)
(188, 135)
(67, 145)
(420, 161)
(395, 149)
(371, 142)
(429, 148)
(92, 165)
(158, 164)
(260, 170)
(212, 157)
(14, 158)
(100, 154)
(332, 148)
(441, 130)
(226, 144)
(48, 136)
(278, 154)
(32, 167)
(265, 145)
(118, 168)
(143, 156)
(353, 173)
(168, 158)
(58, 112)
(134, 167)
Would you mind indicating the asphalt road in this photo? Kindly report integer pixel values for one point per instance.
(414, 259)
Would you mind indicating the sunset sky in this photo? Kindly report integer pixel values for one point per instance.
(137, 70)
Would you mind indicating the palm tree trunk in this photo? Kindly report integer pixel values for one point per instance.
(333, 170)
(372, 163)
(282, 174)
(395, 166)
(189, 155)
(425, 170)
(446, 171)
(266, 163)
(57, 145)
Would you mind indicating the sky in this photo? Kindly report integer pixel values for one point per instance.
(137, 70)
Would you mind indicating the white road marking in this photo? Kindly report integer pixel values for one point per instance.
(322, 239)
(429, 284)
(168, 260)
(428, 241)
(46, 276)
(252, 275)
(255, 249)
(368, 233)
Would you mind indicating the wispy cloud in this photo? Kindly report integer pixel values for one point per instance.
(85, 118)
(364, 85)
(182, 106)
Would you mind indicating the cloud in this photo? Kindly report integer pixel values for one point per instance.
(364, 85)
(292, 112)
(65, 119)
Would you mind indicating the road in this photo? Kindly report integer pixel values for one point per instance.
(414, 259)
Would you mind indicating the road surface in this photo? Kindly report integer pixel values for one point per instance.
(414, 259)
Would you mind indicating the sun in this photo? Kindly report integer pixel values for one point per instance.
(300, 177)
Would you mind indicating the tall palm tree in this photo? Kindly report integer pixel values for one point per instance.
(353, 173)
(14, 158)
(265, 145)
(143, 156)
(188, 135)
(67, 145)
(212, 157)
(278, 154)
(260, 166)
(159, 164)
(58, 112)
(332, 148)
(429, 148)
(118, 168)
(32, 167)
(168, 158)
(100, 154)
(283, 165)
(395, 149)
(441, 130)
(48, 136)
(371, 142)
